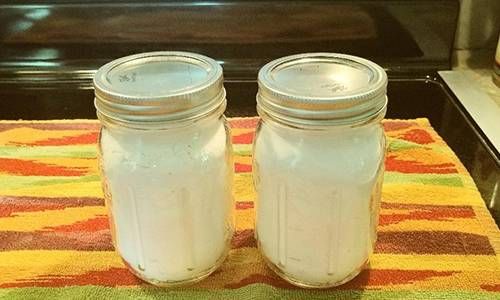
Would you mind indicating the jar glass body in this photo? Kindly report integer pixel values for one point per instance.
(169, 199)
(318, 197)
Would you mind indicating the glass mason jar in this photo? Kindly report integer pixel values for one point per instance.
(166, 164)
(318, 165)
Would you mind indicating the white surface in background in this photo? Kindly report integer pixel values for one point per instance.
(482, 108)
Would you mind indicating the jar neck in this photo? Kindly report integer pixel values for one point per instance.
(321, 125)
(207, 116)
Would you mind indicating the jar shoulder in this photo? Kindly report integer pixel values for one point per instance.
(195, 145)
(353, 153)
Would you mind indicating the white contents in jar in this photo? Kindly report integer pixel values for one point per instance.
(171, 201)
(319, 193)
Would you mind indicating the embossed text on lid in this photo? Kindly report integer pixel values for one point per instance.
(320, 78)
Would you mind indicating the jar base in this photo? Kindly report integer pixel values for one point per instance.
(310, 285)
(176, 283)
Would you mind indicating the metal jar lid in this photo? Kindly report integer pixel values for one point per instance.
(156, 87)
(322, 89)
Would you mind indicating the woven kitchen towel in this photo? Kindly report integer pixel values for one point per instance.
(436, 238)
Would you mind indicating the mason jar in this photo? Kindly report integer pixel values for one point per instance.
(318, 165)
(166, 164)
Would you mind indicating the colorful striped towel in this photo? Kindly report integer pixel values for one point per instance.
(436, 238)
